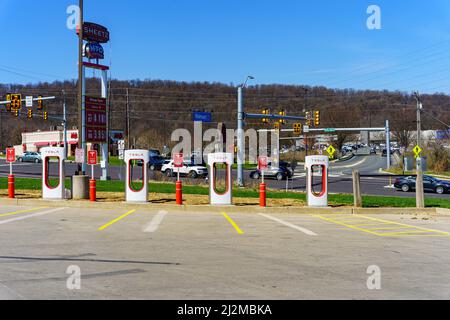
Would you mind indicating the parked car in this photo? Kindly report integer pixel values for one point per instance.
(373, 150)
(188, 169)
(283, 172)
(156, 163)
(154, 153)
(430, 184)
(346, 149)
(34, 157)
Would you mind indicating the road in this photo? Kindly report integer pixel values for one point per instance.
(340, 180)
(145, 254)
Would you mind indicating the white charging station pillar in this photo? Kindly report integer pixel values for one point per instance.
(216, 161)
(57, 190)
(317, 180)
(133, 158)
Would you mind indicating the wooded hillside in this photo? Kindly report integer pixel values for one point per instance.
(158, 107)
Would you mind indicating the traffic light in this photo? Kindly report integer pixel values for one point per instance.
(277, 126)
(282, 114)
(298, 129)
(8, 105)
(266, 112)
(317, 118)
(308, 119)
(40, 103)
(16, 113)
(30, 114)
(16, 101)
(45, 115)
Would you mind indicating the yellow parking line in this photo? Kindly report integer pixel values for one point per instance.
(417, 232)
(116, 220)
(408, 226)
(345, 225)
(235, 226)
(409, 230)
(20, 212)
(390, 228)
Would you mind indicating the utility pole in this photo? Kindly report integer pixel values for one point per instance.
(128, 119)
(304, 111)
(64, 124)
(420, 197)
(80, 82)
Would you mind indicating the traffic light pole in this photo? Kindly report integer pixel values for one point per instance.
(240, 137)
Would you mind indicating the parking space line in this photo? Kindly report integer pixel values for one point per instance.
(385, 225)
(345, 225)
(156, 222)
(290, 225)
(408, 226)
(20, 212)
(31, 216)
(116, 220)
(231, 221)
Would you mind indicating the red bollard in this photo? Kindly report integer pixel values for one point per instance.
(179, 192)
(262, 195)
(11, 187)
(93, 190)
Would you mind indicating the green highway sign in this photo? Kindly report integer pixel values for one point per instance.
(330, 130)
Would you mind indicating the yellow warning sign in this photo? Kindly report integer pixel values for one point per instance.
(331, 151)
(417, 151)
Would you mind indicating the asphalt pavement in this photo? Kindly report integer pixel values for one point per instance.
(62, 253)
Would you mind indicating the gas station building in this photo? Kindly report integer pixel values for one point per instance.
(35, 141)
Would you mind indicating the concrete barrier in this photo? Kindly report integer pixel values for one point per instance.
(80, 187)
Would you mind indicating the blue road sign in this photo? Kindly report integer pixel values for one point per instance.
(202, 116)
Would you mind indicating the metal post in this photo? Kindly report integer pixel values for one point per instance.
(388, 144)
(240, 138)
(127, 125)
(105, 146)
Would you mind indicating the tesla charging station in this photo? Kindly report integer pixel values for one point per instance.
(317, 180)
(53, 191)
(132, 158)
(216, 196)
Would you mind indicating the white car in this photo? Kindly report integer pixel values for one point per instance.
(188, 169)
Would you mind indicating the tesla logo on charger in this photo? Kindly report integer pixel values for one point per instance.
(10, 155)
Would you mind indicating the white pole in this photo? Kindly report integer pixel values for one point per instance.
(93, 172)
(178, 174)
(10, 168)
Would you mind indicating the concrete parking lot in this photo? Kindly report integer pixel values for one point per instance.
(146, 254)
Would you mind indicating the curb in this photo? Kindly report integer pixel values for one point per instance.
(221, 209)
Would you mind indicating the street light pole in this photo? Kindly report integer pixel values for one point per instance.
(420, 197)
(240, 133)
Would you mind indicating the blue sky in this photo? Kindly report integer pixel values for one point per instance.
(323, 42)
